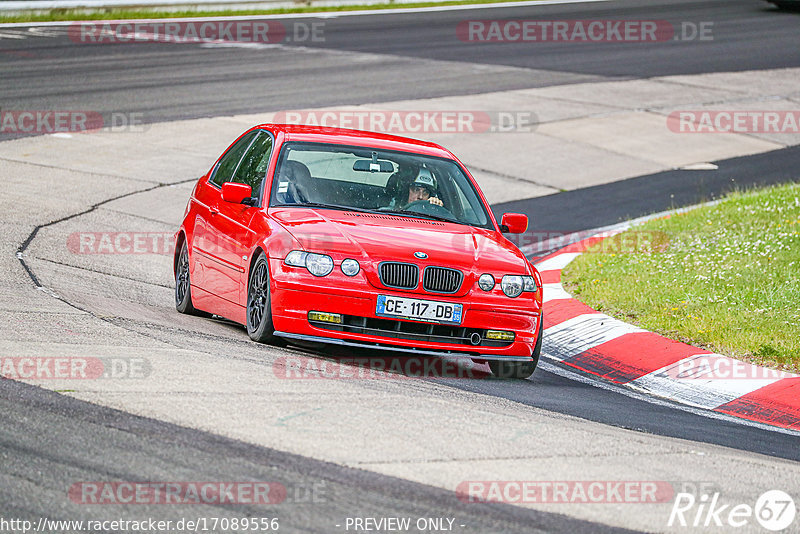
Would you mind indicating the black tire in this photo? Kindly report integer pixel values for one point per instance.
(502, 369)
(788, 6)
(259, 308)
(183, 285)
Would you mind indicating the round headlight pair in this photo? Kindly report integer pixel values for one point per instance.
(317, 264)
(514, 285)
(320, 264)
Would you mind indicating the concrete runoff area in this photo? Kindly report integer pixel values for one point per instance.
(205, 374)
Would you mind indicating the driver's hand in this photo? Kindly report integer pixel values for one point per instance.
(435, 200)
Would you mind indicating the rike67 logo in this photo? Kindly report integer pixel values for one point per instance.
(774, 510)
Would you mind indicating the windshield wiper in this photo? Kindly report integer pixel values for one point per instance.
(405, 213)
(425, 215)
(329, 206)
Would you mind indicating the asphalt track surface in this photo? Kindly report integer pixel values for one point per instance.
(77, 440)
(416, 56)
(608, 204)
(50, 440)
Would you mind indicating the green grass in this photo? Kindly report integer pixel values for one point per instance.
(132, 14)
(723, 277)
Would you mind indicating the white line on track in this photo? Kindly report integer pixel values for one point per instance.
(321, 15)
(12, 35)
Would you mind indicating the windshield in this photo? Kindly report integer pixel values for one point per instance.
(369, 179)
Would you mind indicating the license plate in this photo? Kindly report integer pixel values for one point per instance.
(419, 310)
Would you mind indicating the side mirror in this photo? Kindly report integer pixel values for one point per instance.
(236, 193)
(514, 223)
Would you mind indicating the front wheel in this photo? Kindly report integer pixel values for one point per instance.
(259, 310)
(523, 370)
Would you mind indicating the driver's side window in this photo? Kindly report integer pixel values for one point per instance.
(254, 164)
(230, 161)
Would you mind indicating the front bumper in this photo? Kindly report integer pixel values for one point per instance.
(295, 293)
(392, 348)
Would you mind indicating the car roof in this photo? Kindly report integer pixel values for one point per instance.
(344, 136)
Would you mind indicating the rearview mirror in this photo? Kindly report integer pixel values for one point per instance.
(373, 165)
(236, 193)
(514, 223)
(365, 165)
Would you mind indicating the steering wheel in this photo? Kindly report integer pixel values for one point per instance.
(424, 207)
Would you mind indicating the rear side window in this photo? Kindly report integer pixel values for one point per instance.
(230, 161)
(254, 165)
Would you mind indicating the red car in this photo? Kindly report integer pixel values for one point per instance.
(361, 239)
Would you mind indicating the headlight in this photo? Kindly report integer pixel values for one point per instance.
(529, 284)
(486, 282)
(350, 267)
(512, 285)
(296, 258)
(319, 264)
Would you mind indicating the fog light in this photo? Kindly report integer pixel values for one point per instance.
(500, 335)
(324, 317)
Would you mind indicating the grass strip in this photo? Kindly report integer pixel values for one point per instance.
(724, 277)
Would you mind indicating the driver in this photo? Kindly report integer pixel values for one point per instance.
(423, 188)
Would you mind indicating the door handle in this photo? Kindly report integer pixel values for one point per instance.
(214, 212)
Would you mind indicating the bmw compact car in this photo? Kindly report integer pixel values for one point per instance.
(336, 236)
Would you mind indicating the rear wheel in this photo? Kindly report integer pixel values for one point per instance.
(502, 369)
(183, 285)
(259, 310)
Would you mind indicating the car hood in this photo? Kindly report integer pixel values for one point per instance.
(374, 238)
